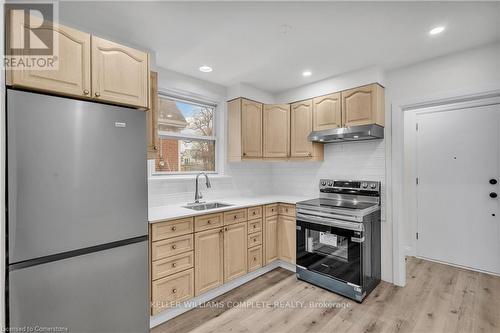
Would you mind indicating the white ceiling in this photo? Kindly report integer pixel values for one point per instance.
(244, 41)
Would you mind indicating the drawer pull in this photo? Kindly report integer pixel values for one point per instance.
(221, 231)
(174, 264)
(174, 290)
(235, 217)
(174, 228)
(286, 210)
(272, 209)
(85, 92)
(225, 229)
(255, 239)
(254, 258)
(174, 247)
(209, 222)
(254, 212)
(254, 226)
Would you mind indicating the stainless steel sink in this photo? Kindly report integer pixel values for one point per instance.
(207, 206)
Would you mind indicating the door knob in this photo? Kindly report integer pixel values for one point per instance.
(493, 181)
(493, 195)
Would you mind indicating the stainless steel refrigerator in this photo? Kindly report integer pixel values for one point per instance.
(77, 215)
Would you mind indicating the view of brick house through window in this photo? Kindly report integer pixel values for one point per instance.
(187, 137)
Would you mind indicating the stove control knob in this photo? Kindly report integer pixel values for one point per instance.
(373, 186)
(323, 183)
(364, 185)
(330, 183)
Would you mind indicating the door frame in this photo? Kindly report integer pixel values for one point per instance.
(396, 171)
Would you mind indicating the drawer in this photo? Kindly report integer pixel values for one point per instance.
(286, 209)
(171, 265)
(235, 216)
(206, 222)
(254, 226)
(271, 210)
(254, 212)
(169, 229)
(254, 258)
(172, 246)
(255, 239)
(169, 290)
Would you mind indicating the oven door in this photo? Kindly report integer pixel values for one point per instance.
(331, 247)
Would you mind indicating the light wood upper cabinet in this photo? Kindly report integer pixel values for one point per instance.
(234, 144)
(152, 117)
(286, 238)
(363, 106)
(119, 73)
(326, 112)
(276, 130)
(235, 251)
(301, 115)
(209, 260)
(270, 239)
(72, 76)
(251, 128)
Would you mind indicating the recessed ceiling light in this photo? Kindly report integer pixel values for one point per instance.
(306, 73)
(436, 30)
(205, 69)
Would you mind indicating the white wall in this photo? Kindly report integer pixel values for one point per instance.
(472, 71)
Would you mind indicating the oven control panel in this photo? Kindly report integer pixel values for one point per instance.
(330, 185)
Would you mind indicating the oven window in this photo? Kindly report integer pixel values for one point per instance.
(324, 243)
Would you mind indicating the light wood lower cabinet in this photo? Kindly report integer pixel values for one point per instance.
(208, 260)
(254, 258)
(270, 239)
(223, 247)
(286, 238)
(235, 251)
(172, 289)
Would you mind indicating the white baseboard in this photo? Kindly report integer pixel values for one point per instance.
(196, 301)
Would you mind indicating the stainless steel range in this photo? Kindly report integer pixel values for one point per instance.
(338, 237)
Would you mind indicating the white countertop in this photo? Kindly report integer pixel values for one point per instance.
(171, 212)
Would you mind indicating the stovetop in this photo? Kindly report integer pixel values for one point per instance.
(333, 203)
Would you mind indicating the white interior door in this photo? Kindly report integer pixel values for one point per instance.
(457, 156)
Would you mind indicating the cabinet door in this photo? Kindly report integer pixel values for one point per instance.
(326, 112)
(286, 238)
(120, 74)
(251, 128)
(72, 76)
(301, 126)
(234, 130)
(276, 130)
(208, 260)
(270, 239)
(152, 117)
(363, 106)
(235, 251)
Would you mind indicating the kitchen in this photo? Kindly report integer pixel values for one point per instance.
(256, 185)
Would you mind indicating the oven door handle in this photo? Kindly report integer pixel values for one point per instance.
(331, 222)
(330, 215)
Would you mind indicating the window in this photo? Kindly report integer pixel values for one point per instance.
(187, 141)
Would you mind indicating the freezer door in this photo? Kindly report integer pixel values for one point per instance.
(103, 291)
(76, 174)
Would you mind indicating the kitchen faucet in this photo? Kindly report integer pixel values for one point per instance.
(197, 193)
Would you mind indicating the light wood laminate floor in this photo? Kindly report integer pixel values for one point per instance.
(437, 298)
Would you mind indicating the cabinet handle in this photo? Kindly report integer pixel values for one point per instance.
(221, 231)
(225, 229)
(286, 210)
(310, 154)
(254, 226)
(174, 264)
(255, 239)
(97, 94)
(254, 213)
(174, 290)
(155, 147)
(235, 216)
(174, 247)
(85, 92)
(244, 154)
(209, 222)
(174, 228)
(254, 258)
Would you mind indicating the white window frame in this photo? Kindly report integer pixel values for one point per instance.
(177, 136)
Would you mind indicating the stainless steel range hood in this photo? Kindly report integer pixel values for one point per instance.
(343, 134)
